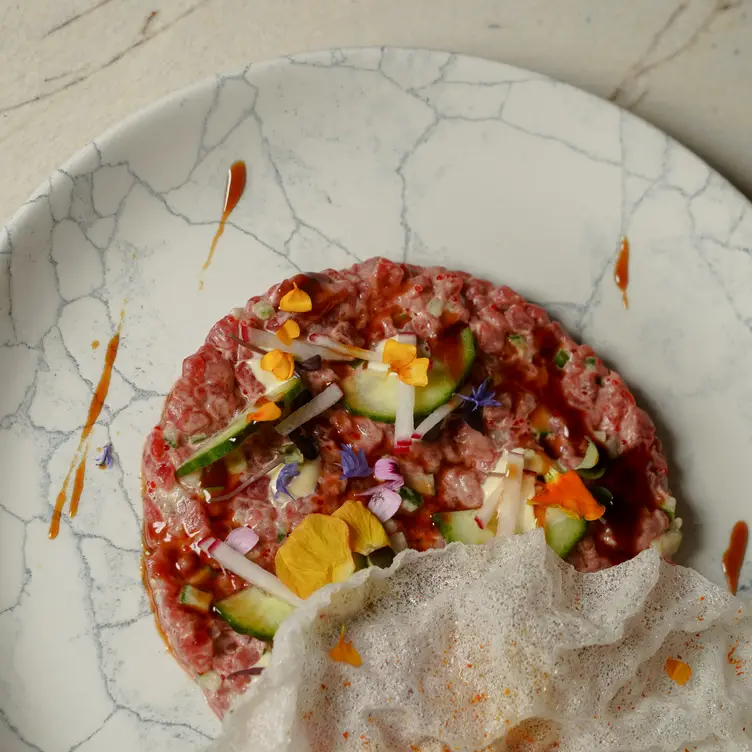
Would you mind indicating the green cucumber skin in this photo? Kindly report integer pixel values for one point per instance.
(427, 398)
(461, 527)
(563, 533)
(254, 612)
(236, 433)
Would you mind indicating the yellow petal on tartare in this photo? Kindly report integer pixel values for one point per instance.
(296, 301)
(288, 331)
(281, 364)
(268, 411)
(416, 373)
(345, 652)
(398, 355)
(367, 534)
(315, 553)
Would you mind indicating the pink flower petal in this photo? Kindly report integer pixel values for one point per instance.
(387, 469)
(385, 504)
(242, 539)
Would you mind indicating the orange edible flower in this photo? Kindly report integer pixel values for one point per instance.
(345, 652)
(402, 360)
(296, 301)
(288, 331)
(267, 411)
(281, 364)
(679, 671)
(569, 493)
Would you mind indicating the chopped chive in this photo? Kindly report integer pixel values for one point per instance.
(518, 340)
(561, 358)
(281, 537)
(590, 361)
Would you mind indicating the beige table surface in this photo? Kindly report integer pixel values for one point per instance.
(69, 69)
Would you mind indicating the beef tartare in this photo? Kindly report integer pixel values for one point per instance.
(346, 415)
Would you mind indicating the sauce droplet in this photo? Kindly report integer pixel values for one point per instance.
(79, 458)
(621, 270)
(235, 187)
(733, 558)
(95, 344)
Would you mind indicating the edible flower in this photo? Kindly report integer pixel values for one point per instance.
(315, 553)
(567, 492)
(345, 652)
(288, 331)
(242, 539)
(268, 411)
(281, 364)
(289, 471)
(366, 532)
(679, 671)
(296, 301)
(104, 460)
(385, 498)
(481, 396)
(354, 464)
(404, 361)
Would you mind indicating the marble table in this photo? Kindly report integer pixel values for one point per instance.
(69, 69)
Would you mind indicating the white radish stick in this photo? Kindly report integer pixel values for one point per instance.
(236, 563)
(340, 347)
(404, 419)
(511, 494)
(302, 350)
(323, 401)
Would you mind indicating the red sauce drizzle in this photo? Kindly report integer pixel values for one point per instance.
(733, 558)
(621, 270)
(235, 187)
(97, 402)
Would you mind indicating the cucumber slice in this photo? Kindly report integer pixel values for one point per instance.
(198, 600)
(412, 501)
(235, 434)
(590, 460)
(254, 612)
(563, 531)
(461, 527)
(373, 393)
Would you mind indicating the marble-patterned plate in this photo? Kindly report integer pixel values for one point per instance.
(422, 156)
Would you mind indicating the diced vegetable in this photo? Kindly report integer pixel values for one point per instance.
(398, 542)
(404, 418)
(209, 681)
(263, 309)
(668, 505)
(171, 435)
(668, 544)
(201, 576)
(231, 437)
(242, 539)
(247, 570)
(590, 362)
(198, 600)
(563, 531)
(519, 341)
(590, 460)
(254, 612)
(511, 494)
(374, 394)
(435, 307)
(236, 462)
(461, 527)
(561, 358)
(323, 401)
(423, 483)
(411, 500)
(301, 350)
(491, 488)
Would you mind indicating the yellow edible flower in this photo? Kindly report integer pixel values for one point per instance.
(367, 534)
(288, 331)
(404, 361)
(345, 652)
(316, 553)
(296, 301)
(267, 411)
(281, 364)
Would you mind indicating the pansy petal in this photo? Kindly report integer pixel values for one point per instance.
(289, 331)
(415, 373)
(345, 652)
(285, 477)
(296, 301)
(398, 355)
(267, 411)
(387, 469)
(385, 504)
(242, 539)
(366, 531)
(354, 464)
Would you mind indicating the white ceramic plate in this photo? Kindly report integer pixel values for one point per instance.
(412, 155)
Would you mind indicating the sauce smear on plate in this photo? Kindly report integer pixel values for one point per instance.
(97, 402)
(733, 558)
(621, 270)
(235, 187)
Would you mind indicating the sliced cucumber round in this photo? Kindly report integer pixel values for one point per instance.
(461, 527)
(217, 446)
(254, 612)
(373, 393)
(562, 531)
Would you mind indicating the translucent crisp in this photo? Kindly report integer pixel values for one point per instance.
(506, 647)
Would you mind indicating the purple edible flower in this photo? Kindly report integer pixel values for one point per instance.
(105, 459)
(482, 396)
(286, 474)
(354, 464)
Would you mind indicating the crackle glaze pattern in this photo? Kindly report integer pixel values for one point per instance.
(421, 156)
